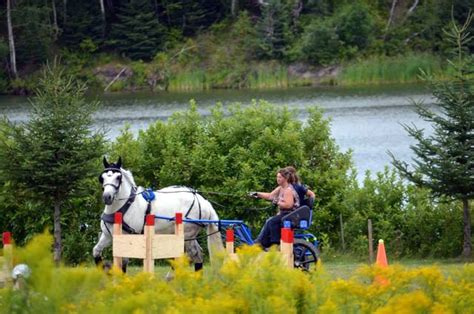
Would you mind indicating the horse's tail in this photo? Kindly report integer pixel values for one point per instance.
(214, 240)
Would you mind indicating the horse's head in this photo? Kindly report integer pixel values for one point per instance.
(111, 179)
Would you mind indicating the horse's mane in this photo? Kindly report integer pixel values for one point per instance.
(127, 174)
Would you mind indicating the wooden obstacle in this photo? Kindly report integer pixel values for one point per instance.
(286, 246)
(6, 260)
(229, 244)
(148, 246)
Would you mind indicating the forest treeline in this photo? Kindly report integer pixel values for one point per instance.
(186, 44)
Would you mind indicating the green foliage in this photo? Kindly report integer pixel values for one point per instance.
(444, 159)
(48, 159)
(273, 29)
(33, 34)
(320, 43)
(397, 69)
(405, 216)
(355, 26)
(82, 22)
(257, 283)
(226, 49)
(190, 16)
(137, 34)
(238, 153)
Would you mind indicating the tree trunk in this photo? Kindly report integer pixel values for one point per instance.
(234, 7)
(391, 16)
(55, 20)
(102, 10)
(58, 245)
(11, 41)
(467, 246)
(64, 12)
(413, 7)
(110, 6)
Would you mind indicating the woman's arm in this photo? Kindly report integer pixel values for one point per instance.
(310, 194)
(269, 196)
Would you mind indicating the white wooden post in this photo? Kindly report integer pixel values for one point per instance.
(286, 246)
(118, 218)
(148, 261)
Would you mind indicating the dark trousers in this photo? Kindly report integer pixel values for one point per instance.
(271, 232)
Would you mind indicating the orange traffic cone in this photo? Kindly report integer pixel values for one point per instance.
(381, 262)
(381, 256)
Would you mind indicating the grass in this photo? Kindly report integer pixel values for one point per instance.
(341, 266)
(188, 81)
(399, 69)
(345, 269)
(264, 75)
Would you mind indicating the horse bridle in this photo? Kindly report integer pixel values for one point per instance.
(109, 218)
(116, 187)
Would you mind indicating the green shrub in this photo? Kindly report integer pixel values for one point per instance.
(320, 43)
(238, 153)
(406, 217)
(355, 26)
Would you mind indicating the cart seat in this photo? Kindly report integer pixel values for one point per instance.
(299, 218)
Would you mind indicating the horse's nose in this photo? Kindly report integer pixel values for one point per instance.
(107, 198)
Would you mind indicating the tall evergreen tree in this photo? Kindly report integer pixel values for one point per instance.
(445, 160)
(84, 20)
(190, 16)
(53, 153)
(137, 33)
(33, 32)
(273, 29)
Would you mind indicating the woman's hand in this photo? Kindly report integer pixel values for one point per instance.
(253, 194)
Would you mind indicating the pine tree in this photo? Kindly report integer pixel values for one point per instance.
(33, 33)
(445, 160)
(190, 16)
(137, 34)
(52, 154)
(273, 29)
(83, 21)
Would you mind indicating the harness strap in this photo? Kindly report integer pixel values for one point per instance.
(149, 196)
(192, 205)
(109, 218)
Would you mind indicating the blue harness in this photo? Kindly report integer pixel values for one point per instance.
(147, 194)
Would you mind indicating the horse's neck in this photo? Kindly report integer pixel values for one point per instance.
(121, 198)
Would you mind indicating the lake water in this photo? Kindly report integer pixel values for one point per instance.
(367, 120)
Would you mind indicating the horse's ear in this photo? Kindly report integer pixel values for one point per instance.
(106, 163)
(119, 162)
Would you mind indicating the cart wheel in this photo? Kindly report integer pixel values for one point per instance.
(305, 254)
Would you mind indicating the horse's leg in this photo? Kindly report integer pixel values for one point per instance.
(194, 251)
(191, 245)
(105, 240)
(125, 261)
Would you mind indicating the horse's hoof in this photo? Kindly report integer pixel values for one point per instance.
(107, 267)
(197, 266)
(169, 276)
(98, 260)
